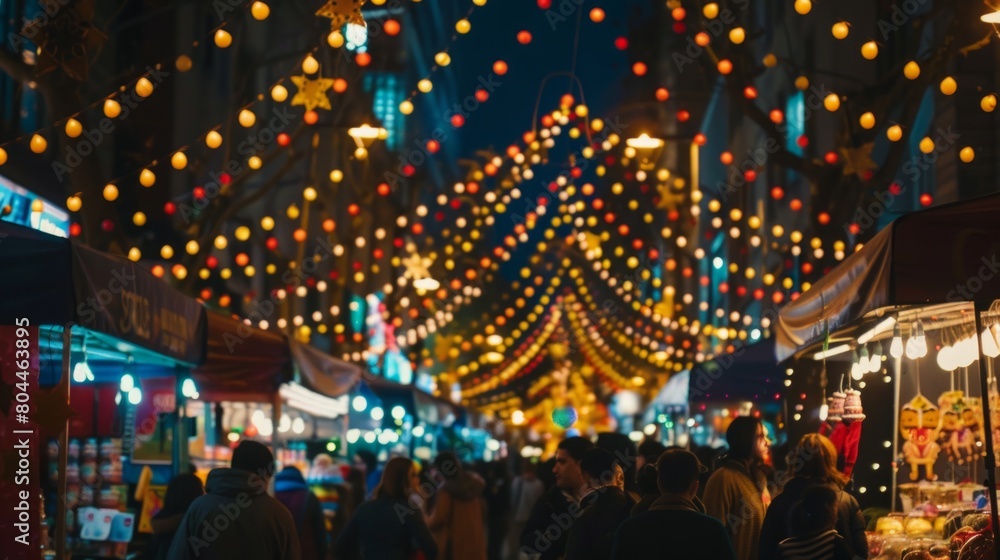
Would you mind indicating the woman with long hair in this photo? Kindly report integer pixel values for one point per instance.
(737, 490)
(181, 491)
(456, 512)
(390, 526)
(813, 462)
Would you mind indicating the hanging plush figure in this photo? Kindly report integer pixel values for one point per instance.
(972, 419)
(919, 422)
(843, 427)
(949, 434)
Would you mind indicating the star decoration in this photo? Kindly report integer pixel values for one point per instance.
(669, 199)
(312, 93)
(417, 267)
(858, 161)
(341, 12)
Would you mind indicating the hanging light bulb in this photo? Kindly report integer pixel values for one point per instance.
(970, 350)
(81, 371)
(863, 363)
(188, 388)
(127, 383)
(135, 396)
(921, 339)
(912, 348)
(896, 348)
(856, 372)
(945, 359)
(875, 363)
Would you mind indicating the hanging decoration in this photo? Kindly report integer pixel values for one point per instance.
(311, 94)
(342, 12)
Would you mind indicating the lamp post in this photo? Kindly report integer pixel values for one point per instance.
(647, 149)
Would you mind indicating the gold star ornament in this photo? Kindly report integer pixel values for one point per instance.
(312, 93)
(341, 12)
(858, 160)
(670, 199)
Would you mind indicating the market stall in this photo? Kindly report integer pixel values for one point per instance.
(107, 327)
(914, 309)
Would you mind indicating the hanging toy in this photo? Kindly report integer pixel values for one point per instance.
(919, 422)
(949, 433)
(972, 419)
(843, 429)
(853, 411)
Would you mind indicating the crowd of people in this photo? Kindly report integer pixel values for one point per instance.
(603, 500)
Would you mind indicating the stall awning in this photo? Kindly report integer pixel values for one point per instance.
(243, 364)
(751, 373)
(322, 373)
(950, 253)
(55, 281)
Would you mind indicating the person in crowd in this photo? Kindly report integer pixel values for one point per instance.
(497, 508)
(675, 526)
(735, 493)
(545, 534)
(236, 518)
(813, 528)
(390, 526)
(606, 505)
(625, 451)
(368, 462)
(649, 452)
(649, 489)
(525, 490)
(290, 489)
(182, 490)
(456, 516)
(813, 463)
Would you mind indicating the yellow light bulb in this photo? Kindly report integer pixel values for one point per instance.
(770, 60)
(267, 223)
(911, 70)
(869, 50)
(279, 93)
(221, 242)
(463, 26)
(139, 219)
(260, 11)
(247, 118)
(112, 108)
(894, 133)
(737, 35)
(803, 7)
(74, 203)
(335, 39)
(336, 176)
(73, 128)
(840, 30)
(831, 102)
(949, 85)
(292, 212)
(192, 247)
(223, 39)
(442, 59)
(927, 144)
(143, 87)
(801, 83)
(425, 85)
(178, 160)
(254, 162)
(710, 10)
(967, 154)
(406, 107)
(134, 254)
(213, 139)
(867, 121)
(988, 103)
(38, 143)
(110, 192)
(310, 65)
(147, 178)
(242, 233)
(183, 63)
(309, 194)
(3, 156)
(167, 252)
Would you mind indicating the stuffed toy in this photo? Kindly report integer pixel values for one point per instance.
(972, 440)
(919, 422)
(843, 427)
(949, 433)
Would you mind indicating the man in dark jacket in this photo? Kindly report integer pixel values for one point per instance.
(674, 524)
(544, 536)
(236, 518)
(291, 490)
(606, 505)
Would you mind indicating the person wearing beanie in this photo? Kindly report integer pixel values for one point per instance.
(291, 490)
(605, 503)
(236, 518)
(736, 492)
(675, 526)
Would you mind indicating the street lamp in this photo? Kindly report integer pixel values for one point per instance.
(364, 136)
(647, 149)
